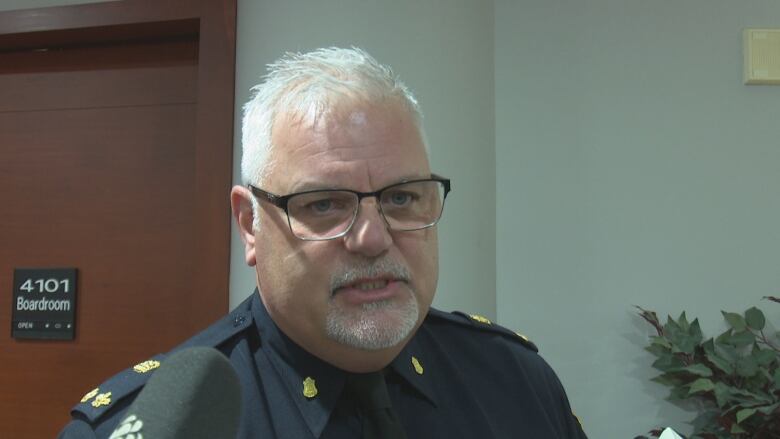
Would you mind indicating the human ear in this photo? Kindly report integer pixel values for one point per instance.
(241, 204)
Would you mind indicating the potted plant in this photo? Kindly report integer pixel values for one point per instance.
(732, 380)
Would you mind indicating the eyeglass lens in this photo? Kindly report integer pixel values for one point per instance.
(330, 213)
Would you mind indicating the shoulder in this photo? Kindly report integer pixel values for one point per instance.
(475, 347)
(462, 324)
(485, 354)
(481, 346)
(111, 397)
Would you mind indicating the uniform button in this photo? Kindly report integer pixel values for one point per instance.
(238, 321)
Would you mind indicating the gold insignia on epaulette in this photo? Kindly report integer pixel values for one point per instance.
(309, 388)
(146, 366)
(480, 319)
(102, 399)
(525, 339)
(90, 395)
(417, 366)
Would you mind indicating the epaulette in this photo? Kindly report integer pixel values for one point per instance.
(103, 398)
(481, 323)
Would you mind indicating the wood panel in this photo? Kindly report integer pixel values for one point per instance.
(115, 155)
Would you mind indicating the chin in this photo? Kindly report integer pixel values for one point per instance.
(376, 326)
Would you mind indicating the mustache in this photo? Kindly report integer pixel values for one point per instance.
(380, 268)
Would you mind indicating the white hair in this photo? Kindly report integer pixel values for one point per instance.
(311, 83)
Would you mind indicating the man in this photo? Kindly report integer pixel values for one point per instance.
(338, 219)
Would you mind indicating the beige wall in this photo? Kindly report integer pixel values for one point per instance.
(633, 167)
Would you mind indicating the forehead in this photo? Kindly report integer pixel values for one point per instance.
(358, 145)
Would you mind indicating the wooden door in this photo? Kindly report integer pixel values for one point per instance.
(115, 155)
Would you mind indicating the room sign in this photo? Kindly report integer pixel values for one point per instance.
(44, 303)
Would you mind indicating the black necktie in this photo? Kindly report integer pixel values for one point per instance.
(378, 418)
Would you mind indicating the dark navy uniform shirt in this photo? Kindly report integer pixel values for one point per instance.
(460, 376)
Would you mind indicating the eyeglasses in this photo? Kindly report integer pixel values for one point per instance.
(324, 214)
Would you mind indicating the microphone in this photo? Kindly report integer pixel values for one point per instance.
(194, 394)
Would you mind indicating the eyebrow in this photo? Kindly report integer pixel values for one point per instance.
(305, 185)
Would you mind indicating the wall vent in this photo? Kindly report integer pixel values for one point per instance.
(762, 56)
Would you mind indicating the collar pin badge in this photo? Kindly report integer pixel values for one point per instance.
(309, 388)
(417, 366)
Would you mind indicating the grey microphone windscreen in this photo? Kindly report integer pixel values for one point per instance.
(194, 394)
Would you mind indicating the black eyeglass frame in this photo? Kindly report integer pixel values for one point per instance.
(281, 201)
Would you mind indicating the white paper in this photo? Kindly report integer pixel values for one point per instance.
(669, 434)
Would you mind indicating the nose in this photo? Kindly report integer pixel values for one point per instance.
(369, 235)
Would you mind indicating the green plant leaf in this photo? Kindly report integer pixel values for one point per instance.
(669, 379)
(736, 429)
(722, 338)
(659, 346)
(764, 357)
(704, 422)
(660, 341)
(677, 337)
(698, 369)
(668, 362)
(744, 414)
(719, 362)
(741, 339)
(708, 346)
(683, 322)
(695, 331)
(754, 318)
(768, 399)
(768, 409)
(734, 398)
(735, 320)
(746, 398)
(678, 393)
(758, 383)
(747, 367)
(684, 343)
(682, 336)
(723, 394)
(671, 325)
(727, 352)
(776, 378)
(701, 385)
(657, 350)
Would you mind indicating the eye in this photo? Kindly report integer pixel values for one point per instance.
(327, 204)
(321, 206)
(400, 198)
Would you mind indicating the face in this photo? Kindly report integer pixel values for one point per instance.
(360, 296)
